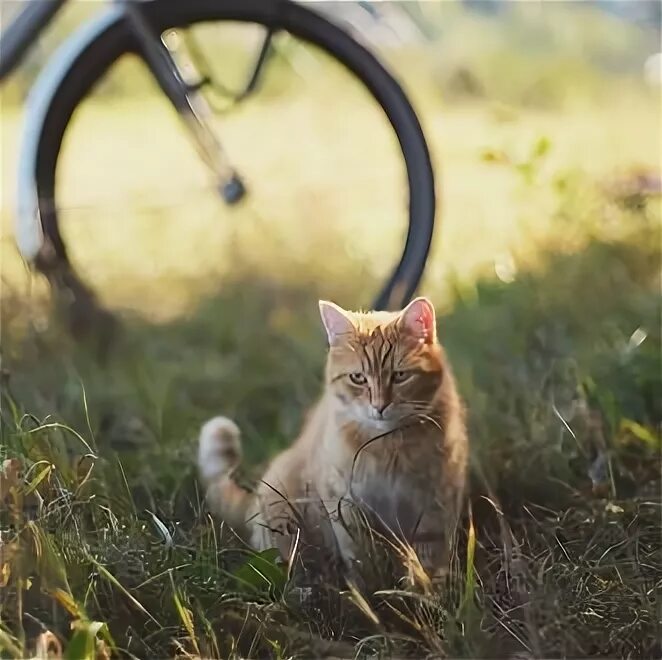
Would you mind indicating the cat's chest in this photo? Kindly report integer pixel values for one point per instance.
(397, 498)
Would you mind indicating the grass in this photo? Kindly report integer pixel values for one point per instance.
(546, 274)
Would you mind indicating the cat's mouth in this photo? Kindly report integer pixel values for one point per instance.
(373, 422)
(381, 424)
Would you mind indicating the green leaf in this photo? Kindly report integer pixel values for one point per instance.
(82, 645)
(541, 147)
(38, 479)
(263, 573)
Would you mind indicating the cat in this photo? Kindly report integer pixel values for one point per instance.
(387, 437)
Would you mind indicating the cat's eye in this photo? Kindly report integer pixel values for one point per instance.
(401, 376)
(358, 378)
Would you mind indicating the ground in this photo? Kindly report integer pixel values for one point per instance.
(545, 271)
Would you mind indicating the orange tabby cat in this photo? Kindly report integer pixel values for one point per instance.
(387, 436)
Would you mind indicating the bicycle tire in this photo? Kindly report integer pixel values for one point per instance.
(117, 40)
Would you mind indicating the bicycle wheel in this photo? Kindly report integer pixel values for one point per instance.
(117, 39)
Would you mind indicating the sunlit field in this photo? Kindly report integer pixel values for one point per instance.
(139, 207)
(545, 269)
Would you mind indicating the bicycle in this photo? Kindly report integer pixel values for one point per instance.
(138, 27)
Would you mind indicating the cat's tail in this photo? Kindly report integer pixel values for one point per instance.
(219, 454)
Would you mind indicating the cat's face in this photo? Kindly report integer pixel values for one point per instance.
(383, 368)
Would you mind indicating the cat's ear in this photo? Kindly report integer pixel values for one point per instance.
(337, 322)
(418, 320)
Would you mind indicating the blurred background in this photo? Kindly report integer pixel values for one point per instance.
(543, 121)
(544, 127)
(516, 100)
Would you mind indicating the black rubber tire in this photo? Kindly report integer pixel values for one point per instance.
(302, 23)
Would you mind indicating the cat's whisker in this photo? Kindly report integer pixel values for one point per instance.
(362, 447)
(427, 418)
(423, 417)
(419, 406)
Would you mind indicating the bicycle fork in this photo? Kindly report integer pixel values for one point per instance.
(190, 104)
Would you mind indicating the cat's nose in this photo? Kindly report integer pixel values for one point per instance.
(380, 407)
